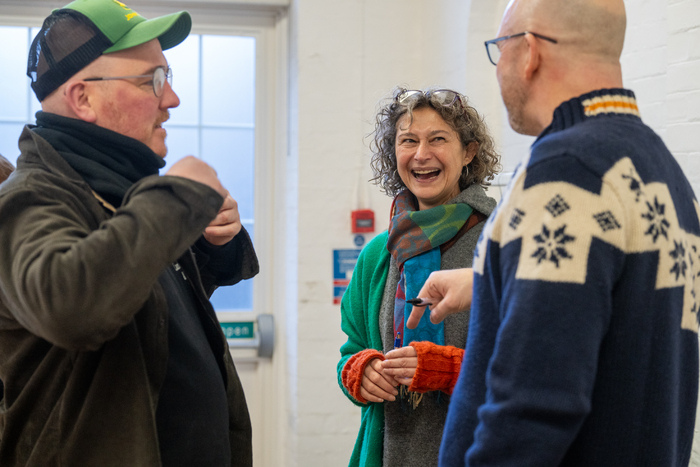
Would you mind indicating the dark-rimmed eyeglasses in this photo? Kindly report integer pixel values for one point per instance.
(160, 75)
(494, 52)
(441, 97)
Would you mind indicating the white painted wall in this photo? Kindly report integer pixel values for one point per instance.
(345, 56)
(661, 63)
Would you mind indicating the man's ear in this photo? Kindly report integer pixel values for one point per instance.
(78, 99)
(533, 58)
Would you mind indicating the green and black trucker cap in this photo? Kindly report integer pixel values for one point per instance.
(74, 36)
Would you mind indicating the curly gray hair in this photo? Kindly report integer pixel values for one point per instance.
(464, 119)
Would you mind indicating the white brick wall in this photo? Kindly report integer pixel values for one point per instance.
(682, 101)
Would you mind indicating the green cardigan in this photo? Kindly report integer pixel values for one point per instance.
(360, 314)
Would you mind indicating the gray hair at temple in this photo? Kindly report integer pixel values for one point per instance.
(6, 168)
(464, 119)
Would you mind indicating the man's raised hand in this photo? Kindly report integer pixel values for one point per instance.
(449, 291)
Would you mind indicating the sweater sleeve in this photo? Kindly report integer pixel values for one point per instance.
(438, 367)
(354, 370)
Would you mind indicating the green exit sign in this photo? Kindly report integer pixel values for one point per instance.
(239, 330)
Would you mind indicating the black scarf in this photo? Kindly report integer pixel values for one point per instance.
(108, 161)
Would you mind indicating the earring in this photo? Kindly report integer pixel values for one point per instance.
(465, 170)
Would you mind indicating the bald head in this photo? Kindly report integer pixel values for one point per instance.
(585, 29)
(536, 75)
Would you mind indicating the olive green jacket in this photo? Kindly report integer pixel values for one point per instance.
(83, 320)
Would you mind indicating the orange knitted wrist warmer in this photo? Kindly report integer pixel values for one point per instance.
(354, 370)
(438, 367)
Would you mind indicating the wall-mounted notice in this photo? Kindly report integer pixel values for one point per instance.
(343, 264)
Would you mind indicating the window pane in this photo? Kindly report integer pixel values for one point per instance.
(9, 135)
(184, 60)
(181, 142)
(13, 78)
(237, 297)
(231, 153)
(228, 80)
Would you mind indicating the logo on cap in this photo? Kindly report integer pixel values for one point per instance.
(130, 15)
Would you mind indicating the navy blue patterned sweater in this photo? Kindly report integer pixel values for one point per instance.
(583, 344)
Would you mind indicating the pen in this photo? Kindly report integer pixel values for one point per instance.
(419, 302)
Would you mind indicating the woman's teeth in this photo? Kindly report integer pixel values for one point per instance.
(426, 174)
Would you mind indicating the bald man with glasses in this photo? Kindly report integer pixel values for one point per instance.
(583, 339)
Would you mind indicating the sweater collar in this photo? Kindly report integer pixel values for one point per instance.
(593, 105)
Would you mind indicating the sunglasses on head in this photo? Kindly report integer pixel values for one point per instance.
(439, 97)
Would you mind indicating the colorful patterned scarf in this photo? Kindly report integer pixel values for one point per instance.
(414, 242)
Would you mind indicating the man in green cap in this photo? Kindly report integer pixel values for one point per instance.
(110, 351)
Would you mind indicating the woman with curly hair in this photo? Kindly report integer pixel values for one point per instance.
(432, 152)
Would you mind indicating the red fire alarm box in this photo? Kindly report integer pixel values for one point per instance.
(362, 221)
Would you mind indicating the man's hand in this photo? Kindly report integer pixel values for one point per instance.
(377, 386)
(227, 223)
(196, 169)
(401, 364)
(450, 292)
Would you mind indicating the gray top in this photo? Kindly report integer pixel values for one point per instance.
(412, 436)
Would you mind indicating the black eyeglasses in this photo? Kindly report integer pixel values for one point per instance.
(494, 52)
(441, 97)
(160, 75)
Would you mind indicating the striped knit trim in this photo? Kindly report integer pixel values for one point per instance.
(612, 103)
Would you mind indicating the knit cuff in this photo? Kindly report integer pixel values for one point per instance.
(354, 370)
(438, 367)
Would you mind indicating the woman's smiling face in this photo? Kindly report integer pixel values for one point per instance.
(430, 157)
